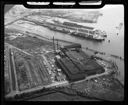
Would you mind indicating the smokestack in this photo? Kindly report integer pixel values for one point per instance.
(54, 45)
(57, 44)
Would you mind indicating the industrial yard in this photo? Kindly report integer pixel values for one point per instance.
(39, 65)
(36, 65)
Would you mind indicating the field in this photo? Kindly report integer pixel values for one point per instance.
(30, 71)
(57, 96)
(28, 42)
(6, 71)
(105, 87)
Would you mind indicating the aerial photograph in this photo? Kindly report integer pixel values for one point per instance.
(64, 54)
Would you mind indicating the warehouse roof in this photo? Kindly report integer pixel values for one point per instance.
(73, 46)
(77, 68)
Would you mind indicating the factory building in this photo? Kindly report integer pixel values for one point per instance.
(77, 65)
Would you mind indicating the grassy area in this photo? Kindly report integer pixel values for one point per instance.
(60, 97)
(28, 42)
(6, 72)
(30, 71)
(105, 87)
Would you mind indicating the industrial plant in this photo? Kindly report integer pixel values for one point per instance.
(37, 63)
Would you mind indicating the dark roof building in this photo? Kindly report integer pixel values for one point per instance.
(72, 73)
(73, 46)
(77, 65)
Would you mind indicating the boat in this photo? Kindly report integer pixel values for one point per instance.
(89, 34)
(76, 30)
(102, 33)
(84, 31)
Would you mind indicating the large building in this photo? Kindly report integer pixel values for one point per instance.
(77, 65)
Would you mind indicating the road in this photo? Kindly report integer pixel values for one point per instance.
(13, 79)
(14, 69)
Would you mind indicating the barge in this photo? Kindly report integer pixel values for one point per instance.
(78, 31)
(74, 29)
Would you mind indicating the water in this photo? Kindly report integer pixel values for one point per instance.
(112, 16)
